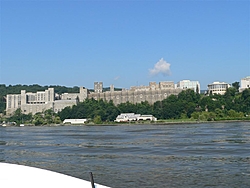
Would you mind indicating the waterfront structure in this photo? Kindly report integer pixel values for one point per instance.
(244, 83)
(42, 100)
(74, 121)
(126, 117)
(187, 84)
(146, 118)
(218, 88)
(136, 94)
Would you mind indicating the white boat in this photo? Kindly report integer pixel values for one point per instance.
(4, 125)
(21, 125)
(13, 175)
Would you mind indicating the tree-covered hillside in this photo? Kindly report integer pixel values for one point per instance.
(186, 105)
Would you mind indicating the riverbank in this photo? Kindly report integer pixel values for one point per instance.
(172, 122)
(161, 122)
(153, 123)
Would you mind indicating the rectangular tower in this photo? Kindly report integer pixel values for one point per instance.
(98, 86)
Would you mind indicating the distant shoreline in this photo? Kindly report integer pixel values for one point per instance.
(169, 123)
(131, 123)
(154, 123)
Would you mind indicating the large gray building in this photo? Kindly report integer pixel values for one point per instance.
(136, 94)
(48, 99)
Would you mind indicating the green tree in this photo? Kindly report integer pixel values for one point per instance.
(196, 115)
(144, 108)
(111, 111)
(65, 113)
(236, 85)
(245, 101)
(219, 113)
(197, 89)
(231, 113)
(57, 120)
(126, 107)
(38, 119)
(17, 117)
(97, 119)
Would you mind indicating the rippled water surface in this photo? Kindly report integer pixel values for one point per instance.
(185, 155)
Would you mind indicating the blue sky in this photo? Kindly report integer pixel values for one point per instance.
(125, 43)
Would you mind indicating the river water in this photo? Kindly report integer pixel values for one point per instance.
(153, 156)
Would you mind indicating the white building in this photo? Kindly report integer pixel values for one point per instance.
(146, 118)
(74, 121)
(244, 83)
(126, 117)
(187, 84)
(218, 88)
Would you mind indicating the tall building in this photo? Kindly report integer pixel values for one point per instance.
(218, 88)
(42, 100)
(98, 87)
(244, 83)
(187, 84)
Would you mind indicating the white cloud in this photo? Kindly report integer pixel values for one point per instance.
(161, 67)
(116, 78)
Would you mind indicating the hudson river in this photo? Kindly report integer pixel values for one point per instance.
(153, 156)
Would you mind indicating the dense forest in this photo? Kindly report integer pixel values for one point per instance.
(186, 105)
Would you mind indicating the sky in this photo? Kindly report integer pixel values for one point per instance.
(124, 43)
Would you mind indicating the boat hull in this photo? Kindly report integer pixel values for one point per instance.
(13, 175)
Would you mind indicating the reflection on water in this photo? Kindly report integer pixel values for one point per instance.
(193, 155)
(2, 142)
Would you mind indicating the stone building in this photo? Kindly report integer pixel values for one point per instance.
(136, 94)
(48, 99)
(79, 96)
(42, 100)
